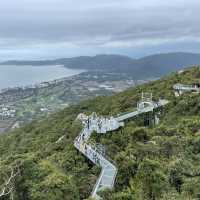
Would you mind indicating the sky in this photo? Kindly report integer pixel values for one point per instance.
(48, 29)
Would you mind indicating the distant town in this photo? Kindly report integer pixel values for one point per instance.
(20, 105)
(6, 112)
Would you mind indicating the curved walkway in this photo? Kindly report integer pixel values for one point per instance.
(109, 171)
(102, 126)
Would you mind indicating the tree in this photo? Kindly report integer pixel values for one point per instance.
(150, 181)
(9, 183)
(175, 175)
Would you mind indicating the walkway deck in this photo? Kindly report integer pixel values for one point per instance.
(182, 87)
(160, 103)
(109, 170)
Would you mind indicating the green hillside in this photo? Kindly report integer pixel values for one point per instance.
(154, 163)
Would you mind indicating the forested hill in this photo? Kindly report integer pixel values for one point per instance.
(154, 163)
(150, 66)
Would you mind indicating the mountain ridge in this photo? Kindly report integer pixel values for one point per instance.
(152, 65)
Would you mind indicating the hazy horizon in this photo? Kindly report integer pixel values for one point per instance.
(137, 57)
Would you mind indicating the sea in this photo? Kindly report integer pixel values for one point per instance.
(20, 76)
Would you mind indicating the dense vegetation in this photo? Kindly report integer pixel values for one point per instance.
(155, 163)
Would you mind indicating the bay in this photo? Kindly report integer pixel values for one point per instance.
(17, 76)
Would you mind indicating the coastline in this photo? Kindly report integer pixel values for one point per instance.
(42, 84)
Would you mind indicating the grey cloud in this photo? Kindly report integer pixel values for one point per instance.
(97, 23)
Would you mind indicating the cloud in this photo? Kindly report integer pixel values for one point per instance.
(97, 26)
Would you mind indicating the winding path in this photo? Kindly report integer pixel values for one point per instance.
(109, 170)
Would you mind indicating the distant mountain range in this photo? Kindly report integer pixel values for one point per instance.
(150, 66)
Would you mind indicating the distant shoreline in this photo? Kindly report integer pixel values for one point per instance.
(27, 76)
(39, 85)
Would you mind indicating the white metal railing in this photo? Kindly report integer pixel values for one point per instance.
(98, 159)
(148, 108)
(109, 170)
(186, 87)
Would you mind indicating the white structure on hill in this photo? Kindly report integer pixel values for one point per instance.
(179, 89)
(103, 125)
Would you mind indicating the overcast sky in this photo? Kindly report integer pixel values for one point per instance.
(35, 29)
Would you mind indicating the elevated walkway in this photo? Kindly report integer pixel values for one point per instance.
(104, 125)
(181, 88)
(109, 170)
(146, 109)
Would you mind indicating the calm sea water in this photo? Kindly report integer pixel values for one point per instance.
(12, 76)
